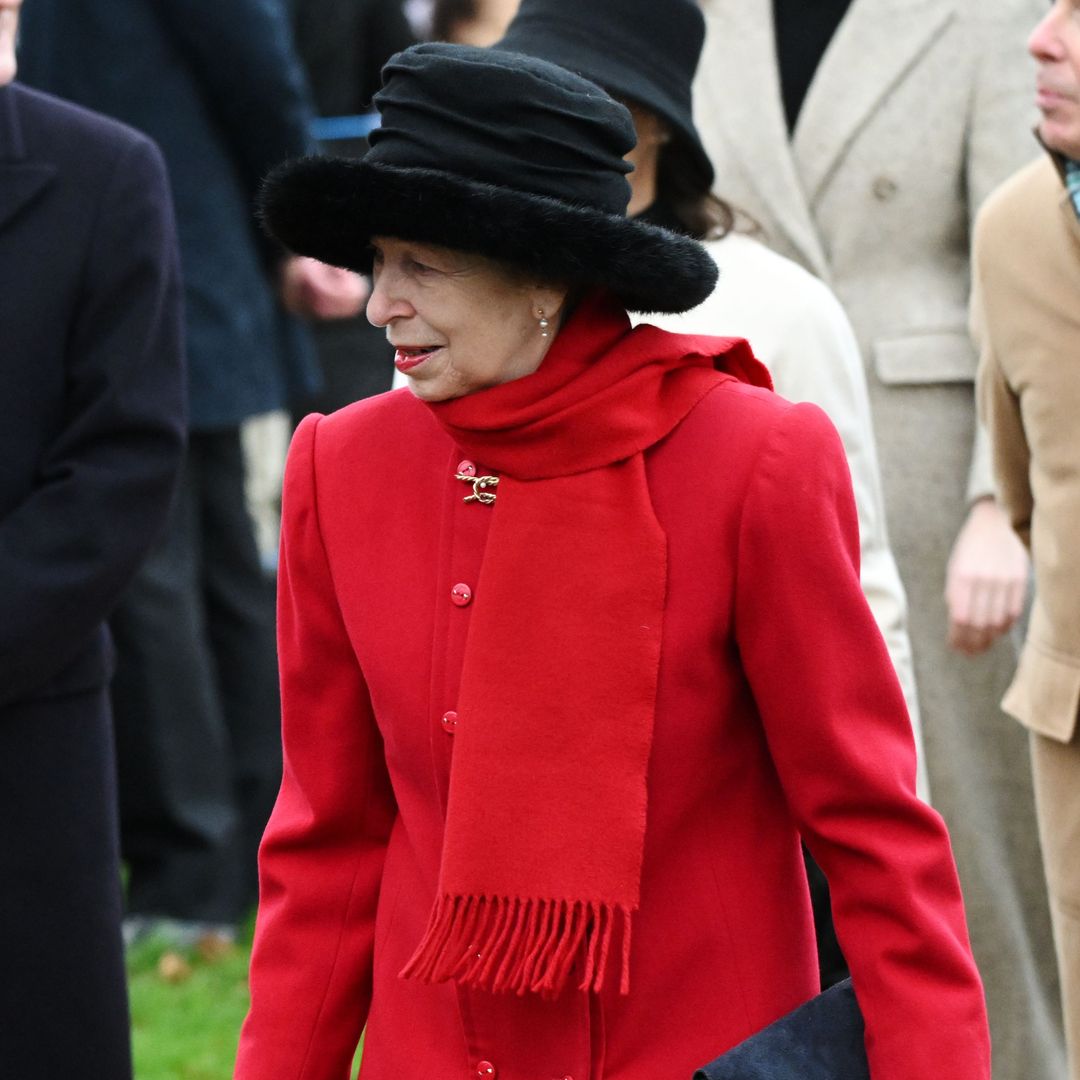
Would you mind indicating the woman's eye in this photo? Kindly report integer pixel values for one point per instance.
(422, 268)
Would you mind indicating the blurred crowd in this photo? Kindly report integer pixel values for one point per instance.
(849, 146)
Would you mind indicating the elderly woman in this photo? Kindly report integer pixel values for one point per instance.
(573, 646)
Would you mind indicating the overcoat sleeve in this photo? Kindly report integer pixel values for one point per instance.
(999, 142)
(103, 485)
(834, 718)
(999, 410)
(321, 860)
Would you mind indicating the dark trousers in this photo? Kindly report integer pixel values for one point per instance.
(196, 701)
(832, 967)
(63, 1003)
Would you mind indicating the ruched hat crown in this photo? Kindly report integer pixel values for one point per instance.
(496, 153)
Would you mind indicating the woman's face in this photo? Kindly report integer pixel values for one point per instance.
(652, 135)
(459, 322)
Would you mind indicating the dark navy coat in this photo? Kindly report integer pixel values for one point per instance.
(217, 85)
(91, 383)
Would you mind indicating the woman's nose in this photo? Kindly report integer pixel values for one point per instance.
(385, 302)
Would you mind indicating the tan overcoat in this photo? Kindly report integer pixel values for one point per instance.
(917, 111)
(1026, 313)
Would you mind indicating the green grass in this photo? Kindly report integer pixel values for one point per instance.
(186, 1027)
(186, 1010)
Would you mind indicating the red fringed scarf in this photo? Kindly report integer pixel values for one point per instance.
(545, 829)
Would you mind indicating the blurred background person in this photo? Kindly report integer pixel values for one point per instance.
(343, 45)
(91, 432)
(862, 135)
(1025, 312)
(221, 90)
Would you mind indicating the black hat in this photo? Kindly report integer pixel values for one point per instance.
(645, 51)
(503, 155)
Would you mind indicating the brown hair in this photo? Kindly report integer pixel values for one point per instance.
(680, 187)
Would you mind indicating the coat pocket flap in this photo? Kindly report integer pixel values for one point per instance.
(934, 357)
(1045, 692)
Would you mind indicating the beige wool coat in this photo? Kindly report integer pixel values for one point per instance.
(918, 109)
(1026, 313)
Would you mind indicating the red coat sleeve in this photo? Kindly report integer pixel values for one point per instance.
(839, 735)
(321, 860)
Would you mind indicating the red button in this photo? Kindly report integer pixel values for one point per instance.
(486, 1070)
(449, 722)
(466, 468)
(461, 594)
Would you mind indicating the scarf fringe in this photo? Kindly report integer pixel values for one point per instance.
(504, 944)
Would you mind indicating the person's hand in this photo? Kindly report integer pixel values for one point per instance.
(314, 290)
(986, 581)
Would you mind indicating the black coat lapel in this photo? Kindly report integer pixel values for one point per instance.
(21, 178)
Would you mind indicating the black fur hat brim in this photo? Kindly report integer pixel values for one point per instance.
(330, 208)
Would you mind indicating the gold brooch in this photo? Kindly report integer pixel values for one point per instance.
(479, 484)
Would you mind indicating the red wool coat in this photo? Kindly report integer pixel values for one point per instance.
(777, 713)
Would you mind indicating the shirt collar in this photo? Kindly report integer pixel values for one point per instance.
(1068, 170)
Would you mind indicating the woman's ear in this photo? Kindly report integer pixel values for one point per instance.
(548, 302)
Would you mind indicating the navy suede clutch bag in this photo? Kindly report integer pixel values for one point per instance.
(821, 1040)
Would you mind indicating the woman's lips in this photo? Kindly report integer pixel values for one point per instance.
(407, 359)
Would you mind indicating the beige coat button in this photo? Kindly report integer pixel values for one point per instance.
(884, 188)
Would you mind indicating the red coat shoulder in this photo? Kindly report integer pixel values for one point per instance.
(732, 425)
(392, 433)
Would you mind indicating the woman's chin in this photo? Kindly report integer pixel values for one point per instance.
(435, 390)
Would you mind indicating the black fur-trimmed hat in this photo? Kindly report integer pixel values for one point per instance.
(499, 154)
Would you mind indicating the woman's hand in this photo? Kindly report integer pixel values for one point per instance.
(986, 581)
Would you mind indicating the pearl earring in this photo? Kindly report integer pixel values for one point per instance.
(544, 324)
